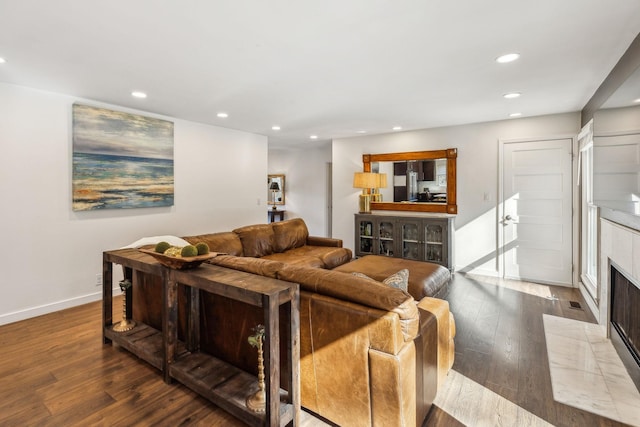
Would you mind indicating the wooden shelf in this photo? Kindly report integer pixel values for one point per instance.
(143, 341)
(225, 385)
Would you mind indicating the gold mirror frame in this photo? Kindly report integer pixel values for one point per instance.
(451, 154)
(278, 194)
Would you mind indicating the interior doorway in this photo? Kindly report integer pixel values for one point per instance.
(536, 210)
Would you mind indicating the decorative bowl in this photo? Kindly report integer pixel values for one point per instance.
(179, 263)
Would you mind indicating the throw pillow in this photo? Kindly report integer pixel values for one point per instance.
(399, 280)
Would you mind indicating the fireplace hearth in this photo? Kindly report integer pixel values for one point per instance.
(625, 321)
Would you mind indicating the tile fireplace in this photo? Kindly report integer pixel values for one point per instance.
(617, 306)
(625, 321)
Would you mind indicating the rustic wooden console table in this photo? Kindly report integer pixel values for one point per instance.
(218, 381)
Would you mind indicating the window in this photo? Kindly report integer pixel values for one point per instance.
(589, 213)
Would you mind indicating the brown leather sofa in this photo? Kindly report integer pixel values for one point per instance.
(286, 241)
(370, 354)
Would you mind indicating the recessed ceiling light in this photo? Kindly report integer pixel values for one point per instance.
(2, 60)
(636, 100)
(138, 94)
(275, 127)
(361, 131)
(314, 137)
(509, 57)
(511, 95)
(223, 115)
(397, 128)
(515, 114)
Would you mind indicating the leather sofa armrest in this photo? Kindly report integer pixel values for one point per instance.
(324, 241)
(446, 328)
(427, 359)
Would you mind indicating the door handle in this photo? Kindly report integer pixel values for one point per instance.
(508, 219)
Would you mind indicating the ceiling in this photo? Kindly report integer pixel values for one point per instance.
(331, 68)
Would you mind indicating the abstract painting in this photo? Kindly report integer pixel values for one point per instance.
(120, 160)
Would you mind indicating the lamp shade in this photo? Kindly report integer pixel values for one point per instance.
(382, 180)
(274, 186)
(365, 180)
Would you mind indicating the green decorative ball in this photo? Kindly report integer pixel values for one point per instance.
(161, 247)
(189, 250)
(202, 248)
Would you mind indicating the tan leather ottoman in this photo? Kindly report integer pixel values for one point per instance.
(426, 279)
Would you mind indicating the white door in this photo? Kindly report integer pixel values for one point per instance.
(537, 211)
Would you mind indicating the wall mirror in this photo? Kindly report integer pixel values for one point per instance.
(418, 181)
(275, 187)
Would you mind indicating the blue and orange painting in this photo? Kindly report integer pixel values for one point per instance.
(120, 160)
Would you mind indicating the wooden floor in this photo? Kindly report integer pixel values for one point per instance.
(501, 349)
(55, 370)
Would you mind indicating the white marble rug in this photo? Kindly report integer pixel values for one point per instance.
(586, 371)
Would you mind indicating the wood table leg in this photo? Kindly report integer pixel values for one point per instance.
(294, 353)
(272, 360)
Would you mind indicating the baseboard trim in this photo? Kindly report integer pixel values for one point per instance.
(40, 310)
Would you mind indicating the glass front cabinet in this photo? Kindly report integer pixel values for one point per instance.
(416, 238)
(375, 236)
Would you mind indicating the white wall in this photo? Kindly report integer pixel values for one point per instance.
(476, 223)
(616, 159)
(616, 120)
(305, 171)
(50, 255)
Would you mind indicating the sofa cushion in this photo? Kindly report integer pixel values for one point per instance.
(257, 240)
(358, 290)
(226, 242)
(260, 266)
(335, 257)
(296, 259)
(329, 256)
(289, 234)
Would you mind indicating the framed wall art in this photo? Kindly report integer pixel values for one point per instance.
(120, 160)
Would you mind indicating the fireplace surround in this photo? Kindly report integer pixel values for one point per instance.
(624, 325)
(617, 305)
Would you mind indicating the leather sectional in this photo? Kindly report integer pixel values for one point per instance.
(370, 354)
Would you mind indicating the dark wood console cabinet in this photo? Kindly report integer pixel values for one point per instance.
(410, 237)
(221, 383)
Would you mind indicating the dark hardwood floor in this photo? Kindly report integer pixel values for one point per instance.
(55, 371)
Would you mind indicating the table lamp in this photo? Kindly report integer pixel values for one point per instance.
(366, 181)
(274, 187)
